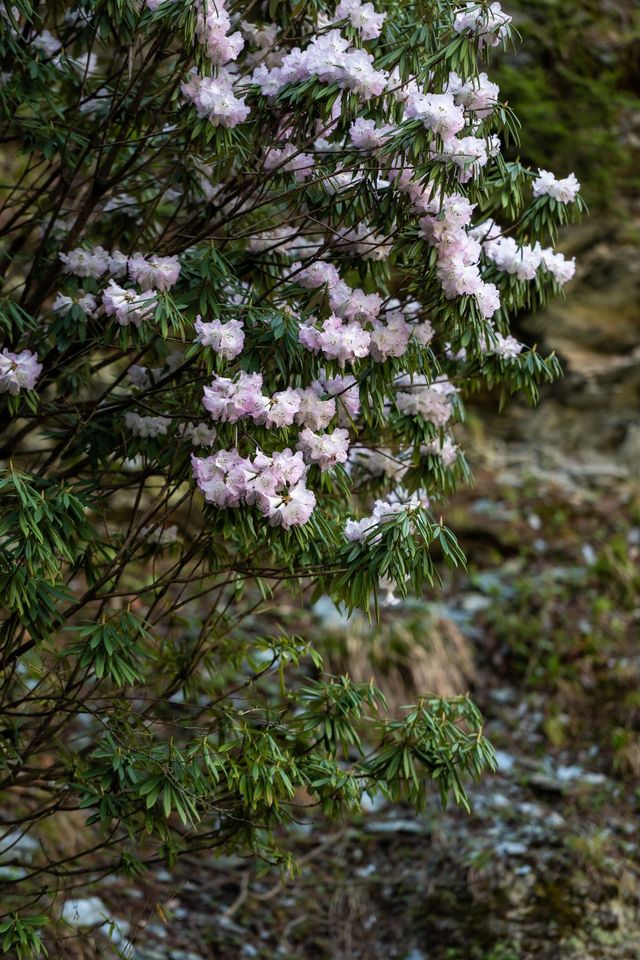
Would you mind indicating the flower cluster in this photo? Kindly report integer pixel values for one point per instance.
(564, 191)
(458, 252)
(521, 260)
(489, 24)
(128, 306)
(507, 347)
(63, 304)
(213, 25)
(158, 273)
(291, 160)
(324, 449)
(146, 426)
(18, 371)
(369, 529)
(431, 401)
(446, 449)
(227, 339)
(95, 262)
(330, 58)
(362, 17)
(336, 340)
(214, 99)
(275, 484)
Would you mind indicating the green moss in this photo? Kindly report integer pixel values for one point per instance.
(576, 97)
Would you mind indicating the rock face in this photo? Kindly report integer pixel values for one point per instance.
(593, 411)
(599, 326)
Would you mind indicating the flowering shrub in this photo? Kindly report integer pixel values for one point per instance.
(252, 268)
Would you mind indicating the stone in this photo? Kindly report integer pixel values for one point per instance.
(506, 762)
(395, 826)
(85, 912)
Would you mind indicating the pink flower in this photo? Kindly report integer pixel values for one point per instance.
(47, 43)
(214, 99)
(274, 484)
(146, 426)
(469, 154)
(288, 467)
(383, 511)
(344, 342)
(315, 275)
(314, 412)
(446, 450)
(422, 333)
(363, 17)
(227, 339)
(558, 266)
(222, 478)
(86, 263)
(160, 273)
(507, 347)
(488, 24)
(18, 371)
(354, 304)
(325, 449)
(200, 434)
(281, 409)
(290, 159)
(431, 401)
(309, 337)
(231, 400)
(365, 135)
(329, 58)
(87, 303)
(564, 191)
(117, 263)
(391, 340)
(521, 262)
(269, 81)
(128, 306)
(358, 75)
(488, 299)
(366, 243)
(293, 508)
(479, 95)
(212, 27)
(346, 391)
(438, 112)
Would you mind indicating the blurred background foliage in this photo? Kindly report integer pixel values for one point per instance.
(575, 85)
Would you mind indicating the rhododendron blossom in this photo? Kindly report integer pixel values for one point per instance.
(547, 185)
(489, 24)
(18, 371)
(213, 25)
(325, 449)
(161, 273)
(128, 306)
(438, 112)
(215, 100)
(227, 339)
(144, 427)
(507, 347)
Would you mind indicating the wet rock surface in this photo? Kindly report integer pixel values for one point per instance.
(592, 413)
